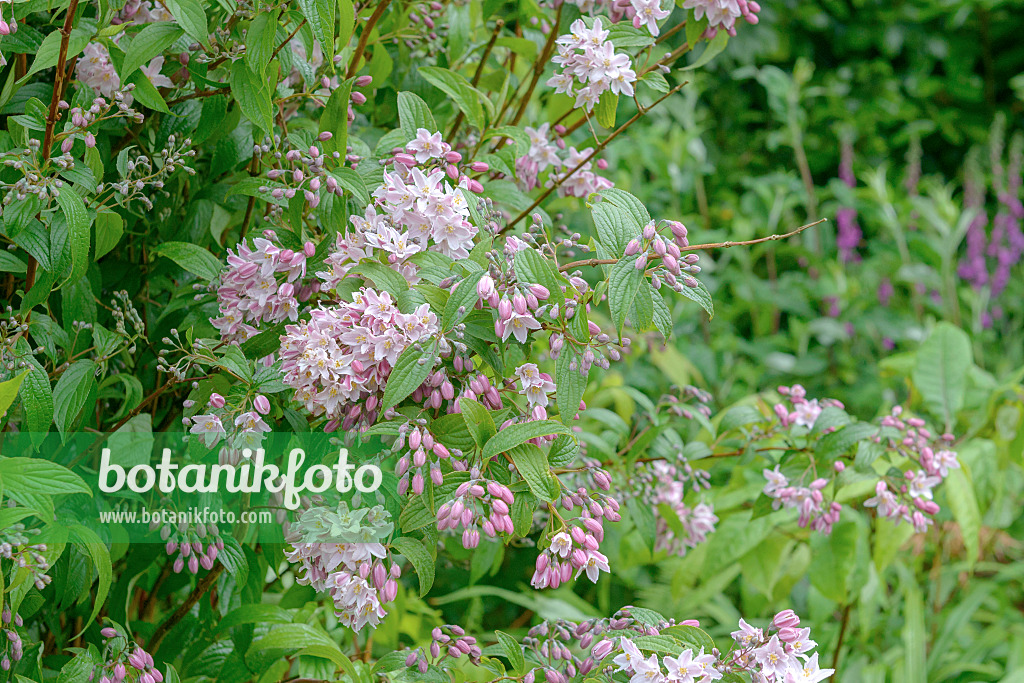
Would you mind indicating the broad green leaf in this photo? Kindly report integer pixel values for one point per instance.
(100, 555)
(421, 560)
(513, 650)
(839, 442)
(515, 434)
(605, 109)
(148, 43)
(960, 493)
(335, 118)
(466, 97)
(383, 278)
(192, 258)
(533, 466)
(624, 286)
(940, 372)
(190, 16)
(413, 113)
(462, 300)
(320, 16)
(71, 392)
(410, 371)
(39, 477)
(9, 391)
(615, 227)
(713, 49)
(642, 515)
(478, 420)
(78, 232)
(701, 295)
(109, 229)
(260, 41)
(253, 96)
(570, 382)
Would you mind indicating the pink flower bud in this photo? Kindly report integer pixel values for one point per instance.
(262, 404)
(363, 81)
(479, 167)
(633, 247)
(216, 401)
(452, 157)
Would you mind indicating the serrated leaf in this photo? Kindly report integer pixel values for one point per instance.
(964, 505)
(467, 98)
(520, 433)
(148, 43)
(78, 232)
(253, 96)
(940, 371)
(513, 650)
(71, 391)
(39, 477)
(615, 227)
(461, 301)
(701, 295)
(408, 374)
(192, 258)
(624, 286)
(413, 114)
(382, 277)
(478, 420)
(843, 439)
(570, 383)
(320, 16)
(533, 467)
(109, 229)
(421, 560)
(604, 110)
(190, 15)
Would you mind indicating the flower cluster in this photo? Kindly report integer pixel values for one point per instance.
(910, 500)
(590, 65)
(669, 264)
(16, 547)
(263, 283)
(575, 547)
(447, 641)
(13, 647)
(722, 14)
(478, 503)
(197, 545)
(340, 552)
(244, 420)
(779, 654)
(802, 411)
(123, 663)
(340, 359)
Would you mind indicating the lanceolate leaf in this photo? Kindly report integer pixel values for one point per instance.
(410, 371)
(421, 560)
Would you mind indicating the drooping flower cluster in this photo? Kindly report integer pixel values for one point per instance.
(780, 654)
(802, 411)
(340, 359)
(124, 661)
(16, 547)
(664, 256)
(197, 545)
(575, 546)
(245, 431)
(910, 500)
(340, 552)
(478, 503)
(12, 646)
(262, 284)
(590, 65)
(446, 642)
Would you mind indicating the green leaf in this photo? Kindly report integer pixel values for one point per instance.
(615, 227)
(533, 466)
(70, 393)
(9, 263)
(964, 505)
(411, 370)
(642, 515)
(335, 118)
(515, 434)
(39, 477)
(532, 267)
(836, 443)
(254, 614)
(320, 16)
(513, 650)
(49, 51)
(713, 49)
(624, 286)
(334, 654)
(914, 635)
(190, 16)
(701, 295)
(478, 420)
(421, 560)
(462, 299)
(36, 393)
(605, 109)
(940, 372)
(148, 43)
(413, 113)
(100, 555)
(260, 41)
(382, 277)
(109, 229)
(467, 98)
(570, 382)
(691, 636)
(9, 391)
(192, 258)
(78, 231)
(253, 96)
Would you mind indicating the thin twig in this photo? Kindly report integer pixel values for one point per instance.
(353, 65)
(842, 635)
(204, 585)
(697, 247)
(288, 39)
(597, 150)
(538, 67)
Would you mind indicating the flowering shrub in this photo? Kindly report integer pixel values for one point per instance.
(391, 229)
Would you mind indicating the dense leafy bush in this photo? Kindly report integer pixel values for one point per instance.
(458, 244)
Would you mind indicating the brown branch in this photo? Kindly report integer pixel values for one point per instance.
(353, 65)
(202, 586)
(842, 635)
(51, 119)
(597, 150)
(696, 247)
(479, 72)
(538, 67)
(288, 39)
